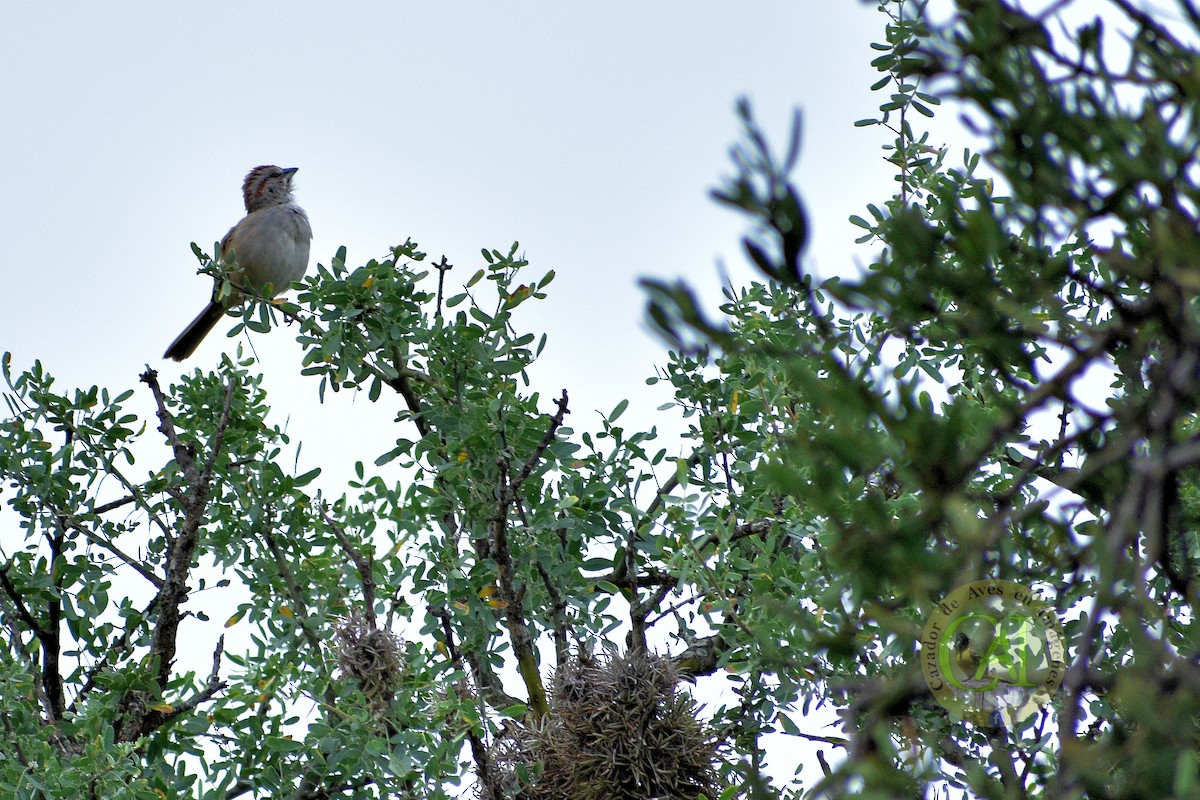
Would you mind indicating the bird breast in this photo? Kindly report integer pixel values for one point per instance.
(271, 246)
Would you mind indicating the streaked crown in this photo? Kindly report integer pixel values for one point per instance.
(267, 185)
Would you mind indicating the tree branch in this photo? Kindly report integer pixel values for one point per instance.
(198, 483)
(364, 565)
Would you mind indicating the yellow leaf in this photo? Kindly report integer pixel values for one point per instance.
(497, 603)
(369, 282)
(488, 591)
(285, 611)
(733, 404)
(235, 619)
(462, 456)
(462, 606)
(441, 648)
(165, 708)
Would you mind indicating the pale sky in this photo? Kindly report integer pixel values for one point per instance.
(590, 133)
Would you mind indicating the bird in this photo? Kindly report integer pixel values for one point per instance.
(266, 250)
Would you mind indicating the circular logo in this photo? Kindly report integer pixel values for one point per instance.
(992, 653)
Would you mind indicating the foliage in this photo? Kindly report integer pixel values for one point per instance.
(482, 530)
(1009, 391)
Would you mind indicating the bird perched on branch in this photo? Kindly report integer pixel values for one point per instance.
(267, 250)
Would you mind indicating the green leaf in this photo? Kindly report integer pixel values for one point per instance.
(306, 478)
(281, 744)
(510, 367)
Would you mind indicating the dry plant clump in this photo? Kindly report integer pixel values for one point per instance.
(372, 657)
(618, 729)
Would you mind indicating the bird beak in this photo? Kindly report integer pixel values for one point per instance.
(290, 171)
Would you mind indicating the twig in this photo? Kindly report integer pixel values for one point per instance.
(128, 560)
(364, 565)
(555, 423)
(442, 267)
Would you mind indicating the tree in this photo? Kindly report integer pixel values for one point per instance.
(1009, 392)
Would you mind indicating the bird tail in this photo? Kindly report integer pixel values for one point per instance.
(187, 342)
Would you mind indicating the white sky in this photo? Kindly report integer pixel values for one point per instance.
(591, 133)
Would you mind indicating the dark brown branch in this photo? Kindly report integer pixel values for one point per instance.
(129, 561)
(489, 682)
(648, 577)
(136, 724)
(18, 601)
(23, 616)
(402, 384)
(639, 610)
(363, 564)
(557, 608)
(636, 640)
(621, 576)
(111, 654)
(50, 636)
(194, 499)
(654, 577)
(758, 527)
(18, 751)
(113, 505)
(531, 463)
(296, 601)
(479, 750)
(513, 598)
(442, 267)
(512, 595)
(211, 687)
